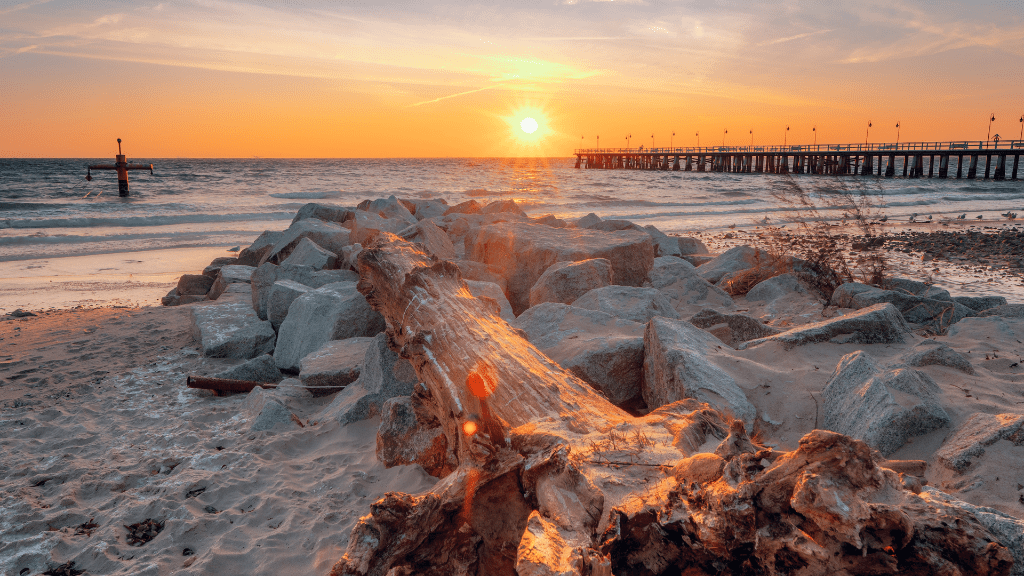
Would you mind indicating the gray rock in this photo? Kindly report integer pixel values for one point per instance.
(677, 365)
(423, 209)
(699, 259)
(238, 288)
(979, 303)
(253, 255)
(228, 275)
(324, 212)
(282, 294)
(668, 270)
(332, 312)
(390, 208)
(1006, 529)
(503, 206)
(732, 260)
(409, 434)
(615, 225)
(267, 274)
(941, 313)
(587, 221)
(881, 407)
(922, 289)
(259, 369)
(366, 225)
(491, 291)
(933, 353)
(775, 288)
(325, 234)
(605, 351)
(467, 207)
(551, 220)
(479, 272)
(266, 412)
(522, 252)
(350, 256)
(384, 375)
(1006, 311)
(664, 245)
(231, 330)
(969, 440)
(309, 253)
(336, 364)
(214, 268)
(878, 324)
(564, 282)
(690, 246)
(628, 303)
(677, 280)
(732, 329)
(433, 239)
(171, 299)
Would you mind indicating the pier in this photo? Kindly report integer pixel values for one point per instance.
(998, 160)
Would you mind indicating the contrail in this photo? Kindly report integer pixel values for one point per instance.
(453, 96)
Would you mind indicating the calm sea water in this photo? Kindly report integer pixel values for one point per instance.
(48, 210)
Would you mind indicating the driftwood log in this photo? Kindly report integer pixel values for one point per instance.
(551, 478)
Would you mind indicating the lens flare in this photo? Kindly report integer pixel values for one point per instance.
(529, 125)
(469, 428)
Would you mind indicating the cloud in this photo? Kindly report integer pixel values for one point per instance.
(797, 37)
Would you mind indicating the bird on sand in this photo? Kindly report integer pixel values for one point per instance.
(912, 216)
(234, 248)
(883, 219)
(962, 216)
(929, 216)
(978, 217)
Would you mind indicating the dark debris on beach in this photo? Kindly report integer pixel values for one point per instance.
(142, 532)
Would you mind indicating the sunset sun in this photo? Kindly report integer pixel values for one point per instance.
(529, 125)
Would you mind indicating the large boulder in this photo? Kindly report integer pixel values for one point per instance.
(969, 440)
(383, 376)
(282, 294)
(332, 312)
(878, 324)
(775, 287)
(733, 260)
(677, 279)
(979, 303)
(309, 253)
(732, 329)
(1005, 310)
(587, 221)
(784, 300)
(503, 207)
(264, 277)
(433, 239)
(423, 209)
(231, 331)
(678, 364)
(492, 292)
(254, 253)
(214, 268)
(628, 303)
(522, 252)
(689, 246)
(917, 288)
(916, 309)
(883, 407)
(410, 434)
(605, 351)
(194, 285)
(1005, 529)
(467, 207)
(390, 208)
(327, 235)
(480, 272)
(259, 369)
(229, 275)
(932, 353)
(334, 365)
(265, 412)
(325, 212)
(664, 245)
(566, 281)
(365, 225)
(614, 226)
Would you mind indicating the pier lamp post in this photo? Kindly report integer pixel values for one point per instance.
(628, 136)
(815, 130)
(652, 141)
(698, 139)
(867, 131)
(671, 140)
(599, 142)
(990, 121)
(785, 136)
(581, 142)
(751, 137)
(897, 133)
(1021, 127)
(723, 136)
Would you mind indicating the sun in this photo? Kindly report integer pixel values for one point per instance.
(529, 125)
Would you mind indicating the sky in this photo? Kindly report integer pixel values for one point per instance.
(244, 78)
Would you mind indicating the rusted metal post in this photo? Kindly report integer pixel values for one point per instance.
(121, 166)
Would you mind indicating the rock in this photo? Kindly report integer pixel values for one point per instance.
(1006, 529)
(605, 351)
(214, 268)
(979, 303)
(350, 256)
(503, 206)
(410, 434)
(253, 255)
(522, 252)
(614, 226)
(677, 279)
(309, 253)
(229, 275)
(628, 303)
(433, 239)
(702, 468)
(259, 369)
(182, 300)
(336, 364)
(733, 260)
(941, 313)
(881, 407)
(732, 329)
(332, 312)
(423, 209)
(587, 221)
(1006, 311)
(325, 234)
(171, 299)
(969, 440)
(266, 275)
(550, 220)
(668, 270)
(491, 291)
(467, 207)
(366, 225)
(266, 412)
(936, 354)
(383, 376)
(699, 259)
(547, 550)
(922, 289)
(480, 272)
(689, 246)
(282, 294)
(664, 245)
(231, 331)
(677, 365)
(391, 209)
(775, 287)
(564, 282)
(878, 324)
(324, 212)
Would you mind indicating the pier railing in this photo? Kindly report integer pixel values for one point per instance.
(948, 146)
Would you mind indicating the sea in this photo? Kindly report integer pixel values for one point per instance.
(66, 241)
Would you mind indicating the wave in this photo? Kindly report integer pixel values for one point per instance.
(305, 195)
(51, 239)
(140, 221)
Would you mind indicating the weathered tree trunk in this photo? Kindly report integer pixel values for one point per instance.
(554, 479)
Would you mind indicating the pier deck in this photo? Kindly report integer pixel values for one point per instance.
(999, 160)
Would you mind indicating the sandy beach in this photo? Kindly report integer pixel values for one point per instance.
(100, 433)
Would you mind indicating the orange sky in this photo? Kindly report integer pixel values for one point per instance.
(224, 78)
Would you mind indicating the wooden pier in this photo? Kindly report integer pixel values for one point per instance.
(998, 160)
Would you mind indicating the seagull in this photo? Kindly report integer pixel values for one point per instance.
(912, 216)
(962, 216)
(929, 216)
(883, 219)
(978, 217)
(1011, 215)
(234, 249)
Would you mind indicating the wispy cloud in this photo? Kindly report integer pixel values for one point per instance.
(796, 37)
(454, 96)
